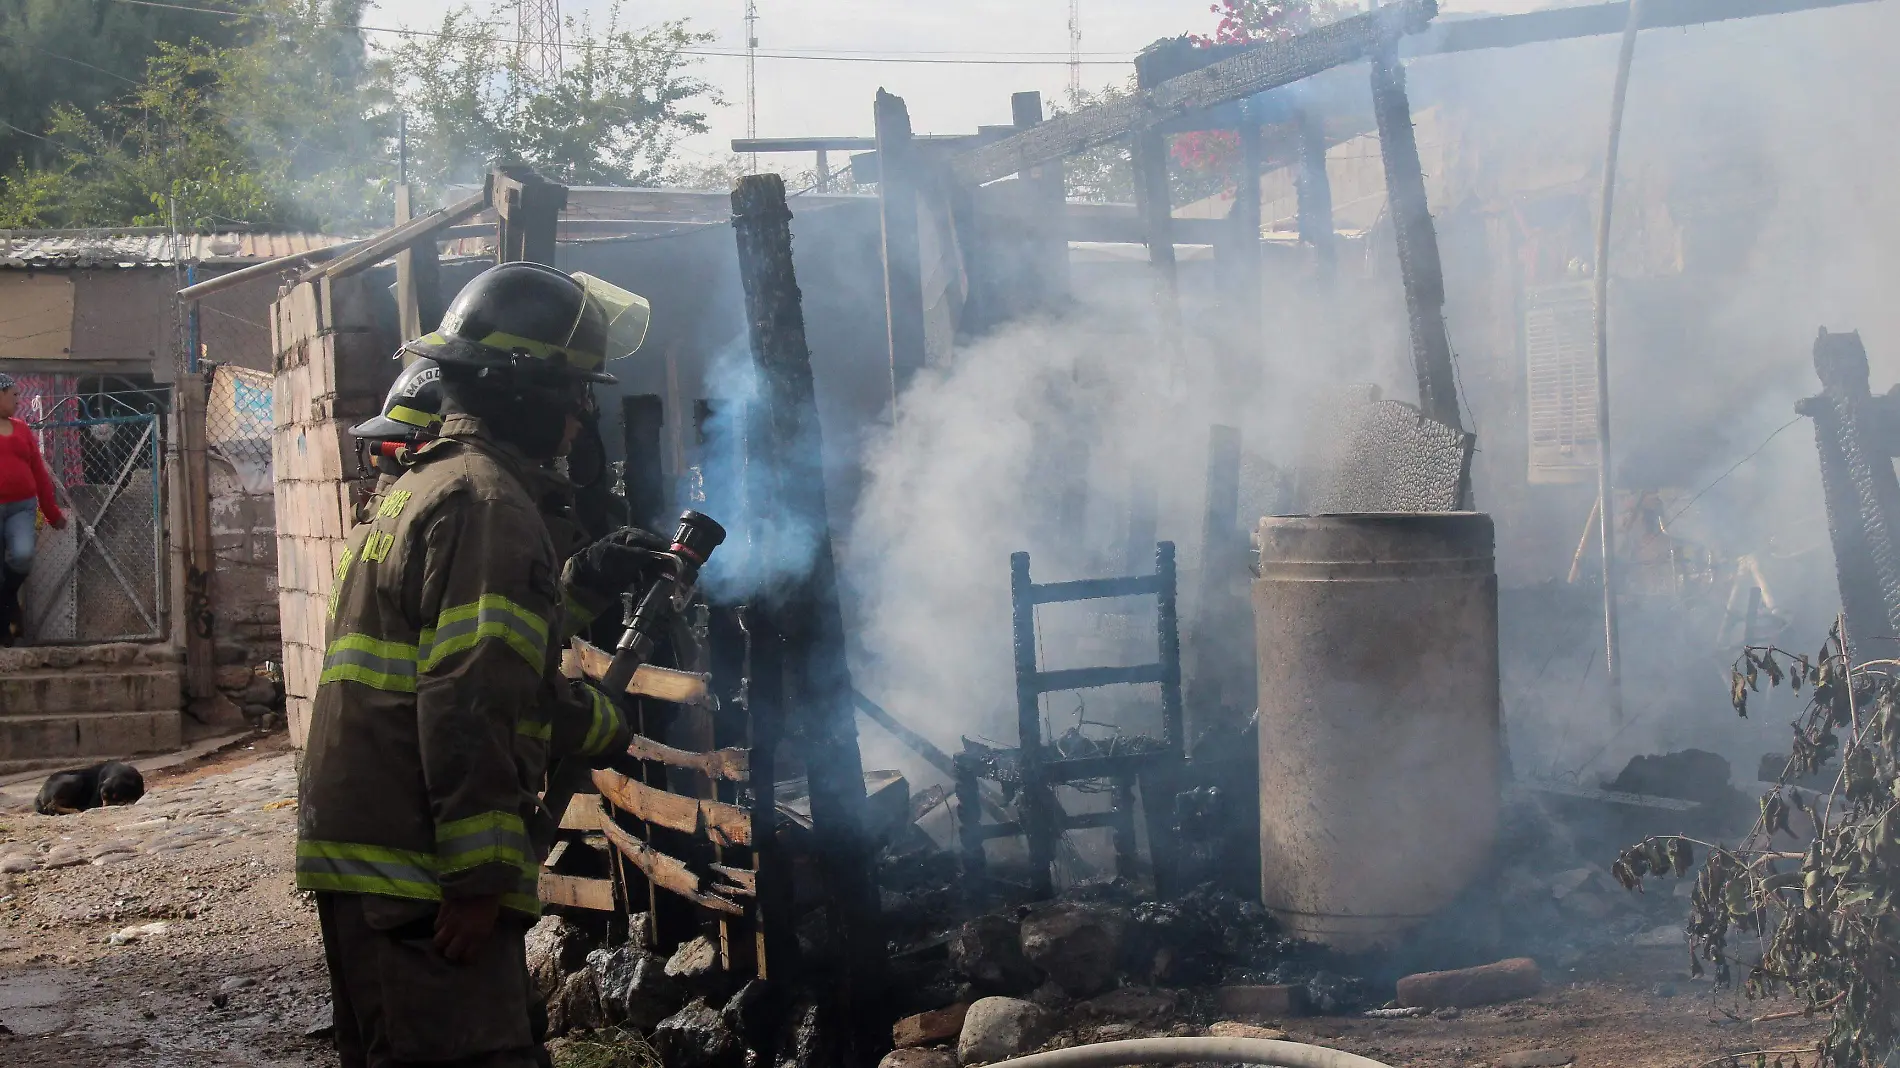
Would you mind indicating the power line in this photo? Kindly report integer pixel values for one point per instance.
(1029, 59)
(68, 59)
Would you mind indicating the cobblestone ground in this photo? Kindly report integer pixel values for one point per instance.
(163, 933)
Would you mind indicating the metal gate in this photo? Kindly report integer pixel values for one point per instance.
(102, 578)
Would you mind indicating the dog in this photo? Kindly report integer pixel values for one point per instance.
(110, 783)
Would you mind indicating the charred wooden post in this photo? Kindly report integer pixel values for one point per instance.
(970, 836)
(1223, 649)
(1246, 216)
(1160, 779)
(897, 187)
(642, 422)
(418, 277)
(785, 480)
(1419, 265)
(1858, 434)
(527, 211)
(1155, 203)
(1049, 246)
(1033, 802)
(1314, 189)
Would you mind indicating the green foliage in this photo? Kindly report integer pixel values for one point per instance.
(82, 55)
(613, 115)
(292, 123)
(1819, 913)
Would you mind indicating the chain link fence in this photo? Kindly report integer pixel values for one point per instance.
(100, 579)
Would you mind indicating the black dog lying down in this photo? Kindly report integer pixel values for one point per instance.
(110, 783)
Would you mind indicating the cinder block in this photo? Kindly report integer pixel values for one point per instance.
(98, 735)
(297, 712)
(323, 366)
(89, 690)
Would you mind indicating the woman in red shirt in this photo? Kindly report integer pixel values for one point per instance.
(26, 489)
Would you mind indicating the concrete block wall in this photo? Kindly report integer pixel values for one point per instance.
(334, 342)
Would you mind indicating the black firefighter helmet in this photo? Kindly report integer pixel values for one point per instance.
(531, 320)
(413, 409)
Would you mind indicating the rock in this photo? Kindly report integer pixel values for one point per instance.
(555, 948)
(1665, 990)
(988, 952)
(234, 677)
(1537, 1058)
(1136, 1004)
(1669, 934)
(1077, 945)
(697, 1037)
(1270, 1001)
(694, 959)
(1051, 997)
(1236, 1029)
(635, 991)
(576, 1006)
(322, 1024)
(752, 1013)
(803, 1040)
(1588, 904)
(918, 1058)
(256, 713)
(217, 710)
(15, 863)
(997, 1029)
(1449, 1012)
(236, 982)
(64, 856)
(139, 933)
(930, 1028)
(228, 655)
(1506, 980)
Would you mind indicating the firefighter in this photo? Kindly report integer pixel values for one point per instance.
(441, 706)
(411, 415)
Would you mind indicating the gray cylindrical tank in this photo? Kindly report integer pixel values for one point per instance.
(1379, 738)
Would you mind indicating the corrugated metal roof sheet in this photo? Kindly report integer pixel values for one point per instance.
(148, 247)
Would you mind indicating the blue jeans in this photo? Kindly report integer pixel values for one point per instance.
(17, 529)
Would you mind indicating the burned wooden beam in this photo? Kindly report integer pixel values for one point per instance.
(1419, 265)
(1595, 20)
(716, 821)
(369, 253)
(791, 527)
(1852, 430)
(1314, 189)
(1253, 71)
(669, 873)
(898, 180)
(528, 210)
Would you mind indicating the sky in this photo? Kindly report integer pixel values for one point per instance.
(803, 98)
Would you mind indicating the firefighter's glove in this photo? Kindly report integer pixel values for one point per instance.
(627, 559)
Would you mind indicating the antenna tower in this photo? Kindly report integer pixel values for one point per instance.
(538, 27)
(752, 74)
(1075, 53)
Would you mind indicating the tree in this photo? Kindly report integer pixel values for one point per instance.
(279, 131)
(83, 55)
(613, 115)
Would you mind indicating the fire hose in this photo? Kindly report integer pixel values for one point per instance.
(1137, 1051)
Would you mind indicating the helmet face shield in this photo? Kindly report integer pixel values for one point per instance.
(620, 316)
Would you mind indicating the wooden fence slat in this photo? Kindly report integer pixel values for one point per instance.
(595, 894)
(723, 824)
(662, 684)
(732, 765)
(583, 813)
(744, 881)
(668, 873)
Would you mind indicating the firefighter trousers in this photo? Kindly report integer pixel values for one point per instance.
(400, 1003)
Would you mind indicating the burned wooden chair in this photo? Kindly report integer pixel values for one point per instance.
(1032, 771)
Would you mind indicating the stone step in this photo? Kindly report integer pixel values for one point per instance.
(73, 740)
(89, 689)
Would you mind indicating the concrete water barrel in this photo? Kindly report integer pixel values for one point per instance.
(1379, 738)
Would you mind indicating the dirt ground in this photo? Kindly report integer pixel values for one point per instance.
(168, 934)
